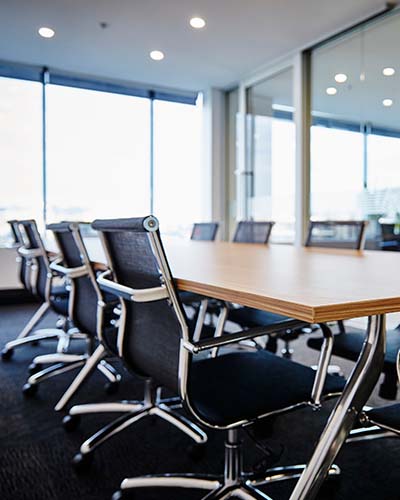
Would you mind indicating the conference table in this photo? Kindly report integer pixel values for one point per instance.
(310, 284)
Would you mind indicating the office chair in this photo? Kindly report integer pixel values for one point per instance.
(84, 314)
(35, 260)
(223, 393)
(383, 421)
(253, 232)
(128, 263)
(24, 267)
(348, 343)
(204, 231)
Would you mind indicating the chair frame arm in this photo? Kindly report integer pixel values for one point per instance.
(127, 293)
(234, 338)
(71, 272)
(30, 253)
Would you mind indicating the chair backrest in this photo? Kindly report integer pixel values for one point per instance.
(150, 332)
(388, 231)
(15, 231)
(23, 267)
(337, 234)
(33, 241)
(85, 291)
(253, 232)
(204, 231)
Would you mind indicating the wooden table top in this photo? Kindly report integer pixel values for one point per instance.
(309, 284)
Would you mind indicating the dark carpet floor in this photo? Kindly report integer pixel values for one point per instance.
(35, 451)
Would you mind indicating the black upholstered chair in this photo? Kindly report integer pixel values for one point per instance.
(24, 267)
(337, 234)
(38, 278)
(386, 418)
(86, 318)
(204, 231)
(128, 259)
(348, 342)
(253, 232)
(223, 393)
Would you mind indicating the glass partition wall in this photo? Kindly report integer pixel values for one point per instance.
(268, 179)
(355, 133)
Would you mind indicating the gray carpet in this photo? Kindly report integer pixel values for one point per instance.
(35, 451)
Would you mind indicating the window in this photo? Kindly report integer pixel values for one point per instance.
(98, 153)
(107, 153)
(180, 183)
(20, 152)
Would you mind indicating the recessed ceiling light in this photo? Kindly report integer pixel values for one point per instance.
(46, 32)
(157, 55)
(197, 22)
(331, 90)
(387, 102)
(388, 71)
(340, 78)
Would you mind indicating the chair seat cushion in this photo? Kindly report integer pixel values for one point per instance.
(348, 345)
(245, 385)
(388, 416)
(248, 317)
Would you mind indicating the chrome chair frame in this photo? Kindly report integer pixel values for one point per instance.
(235, 480)
(152, 403)
(63, 362)
(25, 337)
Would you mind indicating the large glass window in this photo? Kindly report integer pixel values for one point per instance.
(181, 185)
(355, 137)
(269, 174)
(20, 152)
(98, 153)
(107, 155)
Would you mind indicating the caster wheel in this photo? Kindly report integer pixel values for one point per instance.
(34, 368)
(35, 343)
(29, 390)
(111, 387)
(81, 463)
(197, 451)
(71, 422)
(118, 495)
(6, 354)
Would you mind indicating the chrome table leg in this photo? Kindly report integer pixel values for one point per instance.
(358, 388)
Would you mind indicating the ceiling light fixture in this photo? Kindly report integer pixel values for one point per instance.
(341, 78)
(388, 71)
(331, 90)
(46, 32)
(197, 22)
(387, 102)
(157, 55)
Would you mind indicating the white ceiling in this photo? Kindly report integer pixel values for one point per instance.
(240, 36)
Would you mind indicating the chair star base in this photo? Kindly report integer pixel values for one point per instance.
(234, 483)
(132, 412)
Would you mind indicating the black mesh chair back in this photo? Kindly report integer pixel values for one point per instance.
(33, 241)
(204, 231)
(23, 272)
(15, 231)
(85, 292)
(253, 232)
(151, 332)
(337, 234)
